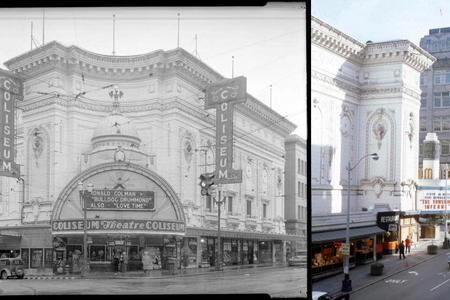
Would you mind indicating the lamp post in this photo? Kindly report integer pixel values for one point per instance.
(83, 194)
(347, 283)
(219, 201)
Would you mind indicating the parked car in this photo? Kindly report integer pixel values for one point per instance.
(11, 267)
(318, 295)
(297, 260)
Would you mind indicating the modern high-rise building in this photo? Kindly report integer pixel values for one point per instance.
(435, 97)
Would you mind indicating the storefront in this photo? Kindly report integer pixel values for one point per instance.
(389, 221)
(327, 258)
(122, 223)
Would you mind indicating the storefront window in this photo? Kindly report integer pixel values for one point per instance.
(189, 252)
(48, 258)
(97, 253)
(37, 256)
(133, 253)
(364, 250)
(265, 248)
(227, 252)
(26, 257)
(327, 257)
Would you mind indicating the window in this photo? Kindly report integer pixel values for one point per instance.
(445, 99)
(445, 123)
(249, 208)
(423, 79)
(25, 257)
(299, 166)
(264, 210)
(208, 203)
(37, 256)
(437, 78)
(437, 99)
(48, 258)
(436, 124)
(304, 190)
(299, 211)
(423, 124)
(447, 75)
(299, 187)
(97, 252)
(444, 147)
(423, 101)
(230, 204)
(421, 149)
(304, 168)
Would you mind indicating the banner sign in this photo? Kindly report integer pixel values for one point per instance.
(118, 225)
(223, 96)
(386, 220)
(432, 200)
(10, 90)
(120, 200)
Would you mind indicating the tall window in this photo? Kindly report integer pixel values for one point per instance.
(230, 204)
(304, 168)
(445, 147)
(299, 187)
(299, 166)
(436, 124)
(423, 124)
(208, 203)
(437, 78)
(437, 99)
(299, 212)
(445, 99)
(264, 210)
(445, 123)
(249, 208)
(423, 101)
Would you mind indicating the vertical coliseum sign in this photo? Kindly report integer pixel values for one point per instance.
(10, 91)
(223, 96)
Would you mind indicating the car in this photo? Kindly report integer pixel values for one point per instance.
(297, 260)
(318, 295)
(11, 267)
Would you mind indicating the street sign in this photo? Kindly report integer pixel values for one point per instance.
(345, 249)
(223, 96)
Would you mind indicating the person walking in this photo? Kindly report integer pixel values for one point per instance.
(408, 244)
(116, 263)
(146, 263)
(401, 249)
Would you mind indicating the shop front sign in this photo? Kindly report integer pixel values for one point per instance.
(120, 200)
(388, 220)
(223, 96)
(432, 200)
(119, 225)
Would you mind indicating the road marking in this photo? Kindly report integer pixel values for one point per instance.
(397, 281)
(439, 285)
(413, 272)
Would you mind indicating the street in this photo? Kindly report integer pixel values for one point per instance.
(428, 280)
(277, 282)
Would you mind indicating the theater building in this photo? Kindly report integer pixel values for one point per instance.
(128, 136)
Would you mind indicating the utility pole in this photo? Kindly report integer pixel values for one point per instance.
(219, 203)
(114, 33)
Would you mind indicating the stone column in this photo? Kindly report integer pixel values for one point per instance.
(283, 259)
(374, 247)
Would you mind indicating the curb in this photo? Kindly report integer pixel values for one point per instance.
(395, 273)
(48, 277)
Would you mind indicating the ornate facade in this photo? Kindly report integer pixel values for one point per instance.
(138, 122)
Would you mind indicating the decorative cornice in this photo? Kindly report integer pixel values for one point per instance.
(336, 82)
(329, 37)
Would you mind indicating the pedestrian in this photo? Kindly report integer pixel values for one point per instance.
(146, 263)
(408, 244)
(401, 249)
(116, 263)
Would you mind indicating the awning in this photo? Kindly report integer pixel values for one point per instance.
(192, 231)
(339, 235)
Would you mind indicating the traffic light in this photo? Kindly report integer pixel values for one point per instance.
(206, 182)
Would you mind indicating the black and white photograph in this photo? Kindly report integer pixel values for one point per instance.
(154, 150)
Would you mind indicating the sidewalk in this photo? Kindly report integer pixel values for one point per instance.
(360, 275)
(156, 274)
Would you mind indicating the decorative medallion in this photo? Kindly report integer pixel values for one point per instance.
(119, 155)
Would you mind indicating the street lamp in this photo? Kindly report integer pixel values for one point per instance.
(219, 201)
(83, 195)
(347, 283)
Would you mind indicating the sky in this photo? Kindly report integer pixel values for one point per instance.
(383, 20)
(268, 43)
